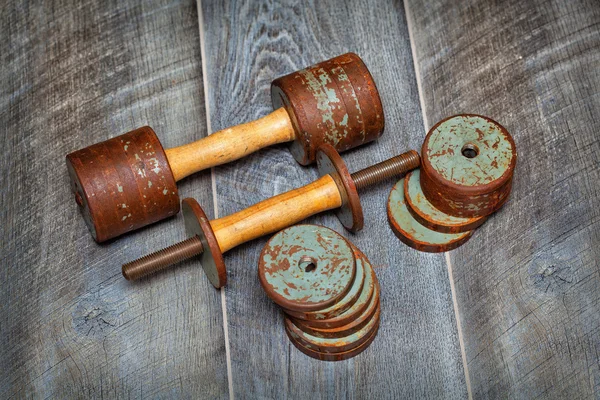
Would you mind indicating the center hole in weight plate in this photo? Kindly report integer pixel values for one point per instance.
(469, 150)
(307, 263)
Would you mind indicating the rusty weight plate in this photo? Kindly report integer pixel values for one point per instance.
(306, 268)
(344, 330)
(345, 355)
(333, 344)
(330, 163)
(368, 296)
(424, 212)
(412, 233)
(335, 102)
(344, 304)
(123, 183)
(467, 165)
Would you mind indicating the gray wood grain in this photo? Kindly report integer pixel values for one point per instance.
(527, 282)
(74, 73)
(416, 353)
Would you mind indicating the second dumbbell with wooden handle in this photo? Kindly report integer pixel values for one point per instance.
(128, 182)
(336, 189)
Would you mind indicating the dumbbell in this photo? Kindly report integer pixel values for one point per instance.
(335, 189)
(128, 182)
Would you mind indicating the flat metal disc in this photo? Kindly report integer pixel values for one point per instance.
(347, 329)
(330, 163)
(344, 304)
(345, 355)
(306, 268)
(197, 224)
(337, 344)
(368, 295)
(424, 212)
(412, 233)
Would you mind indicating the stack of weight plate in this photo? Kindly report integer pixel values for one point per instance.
(327, 289)
(467, 164)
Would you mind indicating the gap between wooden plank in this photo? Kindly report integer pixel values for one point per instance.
(214, 192)
(463, 353)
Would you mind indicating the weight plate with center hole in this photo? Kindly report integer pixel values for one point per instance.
(306, 268)
(368, 294)
(467, 165)
(344, 304)
(412, 233)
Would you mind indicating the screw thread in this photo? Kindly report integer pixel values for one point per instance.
(394, 166)
(162, 259)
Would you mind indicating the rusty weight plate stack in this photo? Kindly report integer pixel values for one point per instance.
(327, 289)
(466, 174)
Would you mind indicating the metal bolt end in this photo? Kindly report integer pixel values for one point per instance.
(162, 259)
(393, 167)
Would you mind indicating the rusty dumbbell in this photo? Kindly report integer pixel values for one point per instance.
(128, 182)
(336, 189)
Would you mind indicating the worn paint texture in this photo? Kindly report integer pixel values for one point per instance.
(123, 184)
(335, 102)
(306, 268)
(412, 233)
(425, 213)
(468, 163)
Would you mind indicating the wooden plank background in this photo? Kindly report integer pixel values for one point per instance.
(75, 73)
(525, 288)
(528, 282)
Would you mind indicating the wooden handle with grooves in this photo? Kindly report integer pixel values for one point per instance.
(276, 213)
(230, 144)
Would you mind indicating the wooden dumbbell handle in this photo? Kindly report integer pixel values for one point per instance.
(276, 213)
(230, 144)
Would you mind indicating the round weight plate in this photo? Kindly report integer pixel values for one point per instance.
(369, 294)
(467, 165)
(306, 268)
(333, 345)
(347, 329)
(197, 224)
(412, 233)
(345, 303)
(334, 356)
(424, 212)
(330, 163)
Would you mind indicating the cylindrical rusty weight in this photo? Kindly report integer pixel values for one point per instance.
(123, 183)
(467, 165)
(334, 102)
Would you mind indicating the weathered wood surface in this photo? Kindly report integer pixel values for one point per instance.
(416, 353)
(527, 282)
(74, 73)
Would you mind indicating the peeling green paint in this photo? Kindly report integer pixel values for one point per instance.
(494, 151)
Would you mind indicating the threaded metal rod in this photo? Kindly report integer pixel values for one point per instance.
(392, 167)
(163, 258)
(178, 252)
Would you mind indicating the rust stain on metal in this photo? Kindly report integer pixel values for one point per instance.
(329, 278)
(335, 102)
(123, 183)
(468, 163)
